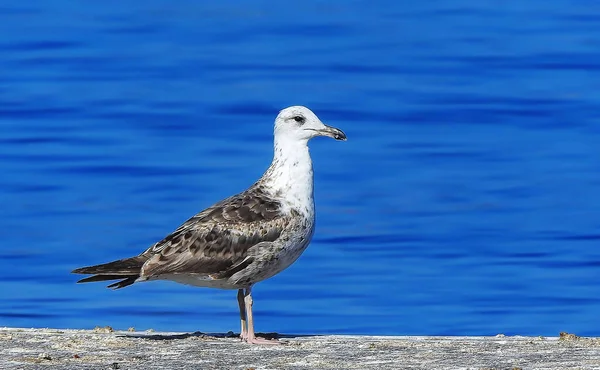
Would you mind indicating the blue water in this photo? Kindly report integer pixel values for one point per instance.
(466, 201)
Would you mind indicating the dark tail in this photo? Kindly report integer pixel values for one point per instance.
(127, 269)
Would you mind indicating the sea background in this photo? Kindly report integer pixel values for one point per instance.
(465, 202)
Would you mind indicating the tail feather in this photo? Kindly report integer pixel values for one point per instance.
(123, 283)
(94, 278)
(127, 269)
(126, 266)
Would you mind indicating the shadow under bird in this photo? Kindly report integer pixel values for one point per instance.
(243, 239)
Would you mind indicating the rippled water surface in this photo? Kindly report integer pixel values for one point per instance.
(466, 201)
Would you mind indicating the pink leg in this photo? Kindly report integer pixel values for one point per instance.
(251, 338)
(240, 298)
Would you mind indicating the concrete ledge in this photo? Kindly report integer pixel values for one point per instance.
(106, 349)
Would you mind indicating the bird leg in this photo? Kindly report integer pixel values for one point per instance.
(240, 298)
(251, 338)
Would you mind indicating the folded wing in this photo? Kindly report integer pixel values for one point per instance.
(215, 243)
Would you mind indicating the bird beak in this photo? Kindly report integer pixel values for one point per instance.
(333, 132)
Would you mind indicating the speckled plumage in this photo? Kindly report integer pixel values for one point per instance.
(245, 238)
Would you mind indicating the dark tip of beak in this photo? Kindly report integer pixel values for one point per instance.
(340, 136)
(336, 133)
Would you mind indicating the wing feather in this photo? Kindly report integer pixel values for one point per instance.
(217, 240)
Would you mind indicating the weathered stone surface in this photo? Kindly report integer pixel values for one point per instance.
(107, 349)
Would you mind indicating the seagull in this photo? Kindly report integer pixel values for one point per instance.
(243, 239)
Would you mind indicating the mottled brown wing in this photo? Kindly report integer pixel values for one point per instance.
(217, 239)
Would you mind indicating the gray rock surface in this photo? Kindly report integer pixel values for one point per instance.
(104, 348)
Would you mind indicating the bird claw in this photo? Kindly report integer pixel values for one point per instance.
(256, 340)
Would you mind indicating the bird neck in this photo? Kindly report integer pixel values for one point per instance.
(290, 175)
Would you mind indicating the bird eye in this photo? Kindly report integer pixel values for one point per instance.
(299, 119)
